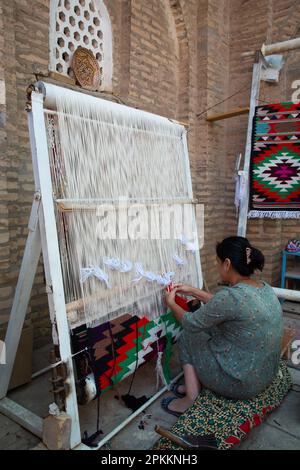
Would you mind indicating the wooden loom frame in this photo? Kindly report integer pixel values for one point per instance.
(260, 63)
(43, 238)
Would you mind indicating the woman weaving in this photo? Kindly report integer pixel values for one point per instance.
(231, 344)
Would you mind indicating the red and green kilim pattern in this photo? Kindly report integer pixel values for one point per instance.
(275, 159)
(118, 347)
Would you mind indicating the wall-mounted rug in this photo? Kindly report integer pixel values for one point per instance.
(275, 162)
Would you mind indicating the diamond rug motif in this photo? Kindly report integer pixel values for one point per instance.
(275, 162)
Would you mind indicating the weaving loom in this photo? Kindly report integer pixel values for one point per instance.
(105, 283)
(99, 159)
(100, 154)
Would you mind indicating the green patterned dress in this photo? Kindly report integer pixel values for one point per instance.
(234, 340)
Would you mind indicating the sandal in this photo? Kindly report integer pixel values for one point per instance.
(165, 406)
(174, 389)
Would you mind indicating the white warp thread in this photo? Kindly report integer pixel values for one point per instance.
(103, 151)
(160, 376)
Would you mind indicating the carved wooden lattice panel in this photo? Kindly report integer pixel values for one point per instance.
(83, 23)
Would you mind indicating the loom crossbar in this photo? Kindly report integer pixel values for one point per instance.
(93, 204)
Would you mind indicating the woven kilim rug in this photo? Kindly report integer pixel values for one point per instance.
(275, 162)
(229, 420)
(118, 347)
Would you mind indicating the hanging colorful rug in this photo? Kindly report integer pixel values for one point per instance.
(275, 162)
(229, 421)
(115, 349)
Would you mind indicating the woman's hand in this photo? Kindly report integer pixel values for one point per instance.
(198, 294)
(185, 289)
(178, 311)
(170, 297)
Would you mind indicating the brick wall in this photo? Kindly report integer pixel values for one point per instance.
(23, 53)
(206, 142)
(171, 57)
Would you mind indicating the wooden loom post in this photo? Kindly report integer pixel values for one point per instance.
(228, 114)
(51, 257)
(255, 87)
(190, 195)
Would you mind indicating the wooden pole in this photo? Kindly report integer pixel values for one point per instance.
(291, 44)
(242, 224)
(287, 294)
(228, 114)
(269, 49)
(22, 416)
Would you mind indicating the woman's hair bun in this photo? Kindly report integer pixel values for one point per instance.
(244, 258)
